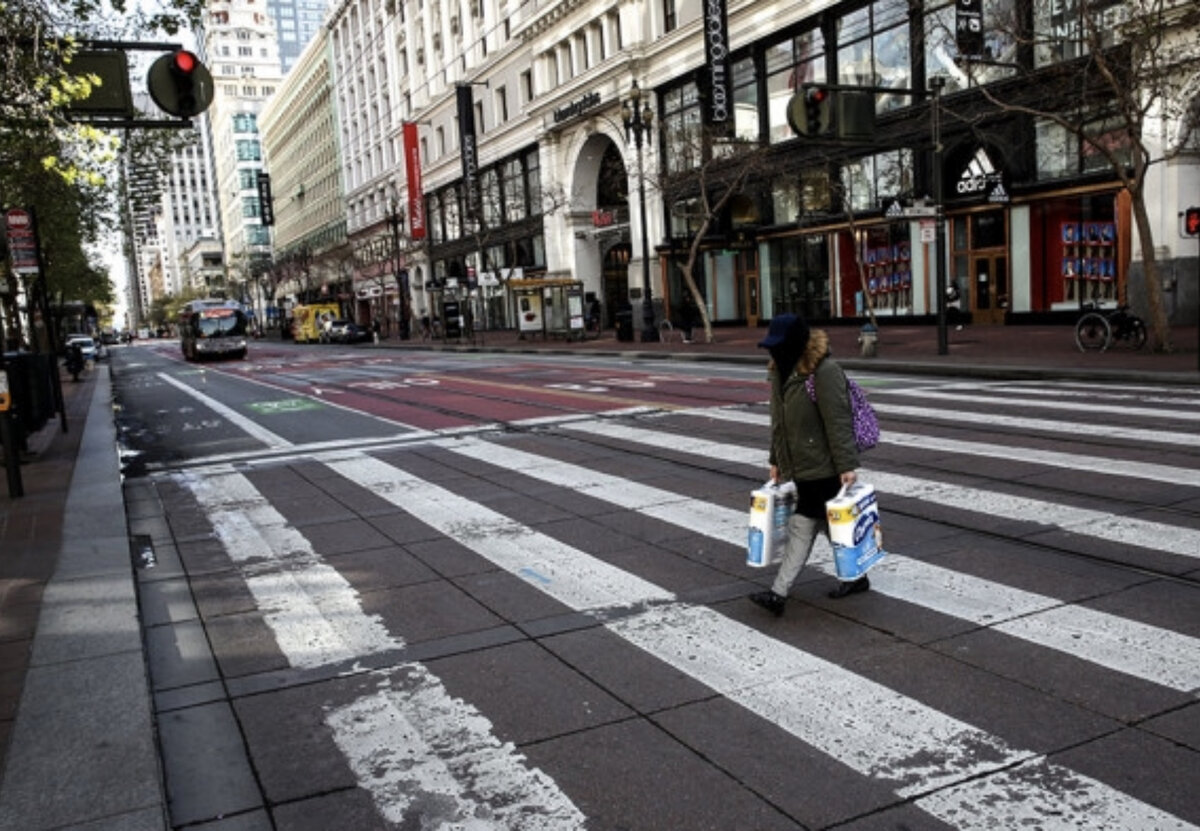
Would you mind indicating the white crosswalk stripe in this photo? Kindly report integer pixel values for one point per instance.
(888, 736)
(1098, 524)
(410, 741)
(1170, 659)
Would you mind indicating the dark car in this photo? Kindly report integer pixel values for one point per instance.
(347, 331)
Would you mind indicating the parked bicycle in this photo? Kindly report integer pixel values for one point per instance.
(1097, 329)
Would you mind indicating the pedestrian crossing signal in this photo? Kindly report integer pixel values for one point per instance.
(1191, 222)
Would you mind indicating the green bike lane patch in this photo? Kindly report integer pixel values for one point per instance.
(284, 405)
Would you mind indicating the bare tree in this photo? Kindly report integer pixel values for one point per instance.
(702, 174)
(1118, 100)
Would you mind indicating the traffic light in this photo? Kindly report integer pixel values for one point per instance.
(817, 103)
(810, 112)
(1191, 222)
(180, 84)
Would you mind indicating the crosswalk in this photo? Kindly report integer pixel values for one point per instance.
(554, 508)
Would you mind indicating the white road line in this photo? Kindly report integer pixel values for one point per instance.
(412, 745)
(313, 612)
(1171, 659)
(231, 415)
(1185, 398)
(1093, 407)
(1102, 525)
(877, 731)
(964, 776)
(539, 560)
(1048, 458)
(1111, 431)
(422, 753)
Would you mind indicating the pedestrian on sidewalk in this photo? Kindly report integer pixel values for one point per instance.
(954, 313)
(812, 444)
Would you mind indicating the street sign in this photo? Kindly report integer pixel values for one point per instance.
(920, 212)
(22, 241)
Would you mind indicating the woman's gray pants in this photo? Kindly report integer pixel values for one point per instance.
(802, 532)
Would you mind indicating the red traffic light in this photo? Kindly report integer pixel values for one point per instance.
(1191, 222)
(184, 61)
(816, 95)
(180, 84)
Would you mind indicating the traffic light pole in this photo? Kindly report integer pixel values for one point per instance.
(943, 340)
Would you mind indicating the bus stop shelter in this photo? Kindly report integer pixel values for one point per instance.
(548, 307)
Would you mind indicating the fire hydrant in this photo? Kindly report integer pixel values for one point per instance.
(868, 339)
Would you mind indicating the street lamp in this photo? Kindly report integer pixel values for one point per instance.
(638, 119)
(396, 221)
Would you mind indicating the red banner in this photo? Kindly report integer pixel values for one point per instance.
(412, 169)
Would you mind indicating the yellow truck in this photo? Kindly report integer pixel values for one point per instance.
(307, 321)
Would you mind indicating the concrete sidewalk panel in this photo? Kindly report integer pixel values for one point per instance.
(83, 746)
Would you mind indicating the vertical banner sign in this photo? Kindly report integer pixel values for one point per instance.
(266, 206)
(22, 241)
(412, 170)
(968, 28)
(470, 154)
(716, 55)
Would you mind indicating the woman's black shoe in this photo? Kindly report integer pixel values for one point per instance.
(770, 601)
(846, 589)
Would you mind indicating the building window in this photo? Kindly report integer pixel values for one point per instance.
(250, 206)
(489, 192)
(790, 64)
(479, 129)
(501, 105)
(247, 179)
(669, 19)
(682, 128)
(533, 181)
(514, 191)
(1000, 44)
(871, 180)
(248, 150)
(527, 86)
(1065, 25)
(873, 50)
(745, 100)
(452, 213)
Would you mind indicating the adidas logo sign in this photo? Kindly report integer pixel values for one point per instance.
(975, 178)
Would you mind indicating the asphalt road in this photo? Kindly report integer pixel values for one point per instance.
(487, 591)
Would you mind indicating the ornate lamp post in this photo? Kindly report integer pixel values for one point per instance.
(396, 221)
(639, 118)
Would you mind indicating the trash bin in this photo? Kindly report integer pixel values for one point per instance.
(625, 325)
(868, 339)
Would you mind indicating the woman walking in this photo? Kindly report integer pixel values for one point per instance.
(812, 444)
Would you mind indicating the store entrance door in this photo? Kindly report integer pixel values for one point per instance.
(751, 300)
(989, 278)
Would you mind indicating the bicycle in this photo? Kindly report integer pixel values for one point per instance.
(1097, 330)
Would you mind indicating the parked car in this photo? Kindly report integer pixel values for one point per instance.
(86, 345)
(347, 331)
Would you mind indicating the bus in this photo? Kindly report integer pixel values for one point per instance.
(213, 328)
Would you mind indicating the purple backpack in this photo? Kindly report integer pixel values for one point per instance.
(866, 425)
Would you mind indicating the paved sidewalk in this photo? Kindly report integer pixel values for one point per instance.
(77, 739)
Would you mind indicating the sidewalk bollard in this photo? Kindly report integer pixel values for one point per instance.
(868, 339)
